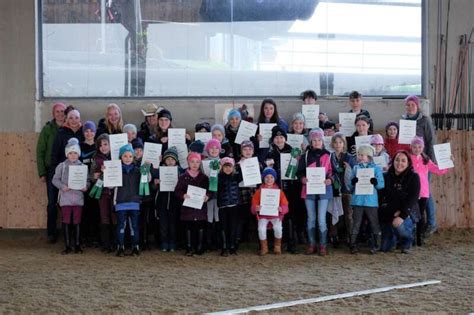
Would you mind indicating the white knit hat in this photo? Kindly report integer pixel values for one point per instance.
(73, 146)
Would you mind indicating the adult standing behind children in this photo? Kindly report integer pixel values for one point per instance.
(43, 162)
(112, 123)
(149, 127)
(72, 128)
(424, 129)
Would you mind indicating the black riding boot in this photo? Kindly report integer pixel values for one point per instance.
(77, 244)
(67, 239)
(200, 249)
(189, 243)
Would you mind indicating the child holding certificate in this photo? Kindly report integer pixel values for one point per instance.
(246, 152)
(377, 142)
(127, 201)
(194, 219)
(316, 156)
(70, 200)
(362, 124)
(365, 201)
(167, 204)
(269, 177)
(274, 160)
(228, 200)
(422, 165)
(213, 150)
(108, 219)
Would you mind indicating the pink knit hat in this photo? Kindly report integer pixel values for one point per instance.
(414, 99)
(194, 155)
(227, 160)
(417, 140)
(213, 143)
(316, 133)
(55, 106)
(376, 139)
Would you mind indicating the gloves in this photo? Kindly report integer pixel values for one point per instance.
(374, 181)
(354, 180)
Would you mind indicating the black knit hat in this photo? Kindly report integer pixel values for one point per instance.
(197, 146)
(165, 113)
(278, 131)
(137, 143)
(203, 125)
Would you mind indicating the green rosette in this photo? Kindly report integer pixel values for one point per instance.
(144, 186)
(293, 165)
(96, 190)
(214, 168)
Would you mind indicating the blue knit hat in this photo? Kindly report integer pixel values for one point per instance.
(126, 148)
(234, 113)
(269, 171)
(89, 125)
(197, 146)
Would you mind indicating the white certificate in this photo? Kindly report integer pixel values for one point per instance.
(182, 149)
(269, 202)
(77, 179)
(295, 141)
(311, 116)
(246, 131)
(316, 177)
(168, 178)
(113, 173)
(116, 142)
(363, 185)
(176, 136)
(251, 171)
(407, 131)
(203, 136)
(443, 155)
(152, 153)
(285, 159)
(197, 195)
(327, 143)
(347, 122)
(362, 140)
(266, 133)
(380, 161)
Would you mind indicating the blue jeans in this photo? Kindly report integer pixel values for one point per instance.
(52, 209)
(311, 223)
(430, 209)
(130, 216)
(390, 235)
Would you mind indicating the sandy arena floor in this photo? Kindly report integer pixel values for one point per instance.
(35, 278)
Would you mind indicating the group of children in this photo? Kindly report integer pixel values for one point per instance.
(140, 210)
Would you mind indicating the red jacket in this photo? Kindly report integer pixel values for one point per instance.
(392, 146)
(256, 202)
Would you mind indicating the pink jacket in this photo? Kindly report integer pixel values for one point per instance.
(422, 170)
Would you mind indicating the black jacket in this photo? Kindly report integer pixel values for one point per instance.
(58, 154)
(129, 192)
(228, 189)
(274, 153)
(401, 193)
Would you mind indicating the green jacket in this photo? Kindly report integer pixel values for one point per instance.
(45, 146)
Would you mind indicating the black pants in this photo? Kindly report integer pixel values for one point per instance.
(229, 219)
(421, 224)
(196, 230)
(167, 228)
(148, 223)
(90, 219)
(372, 215)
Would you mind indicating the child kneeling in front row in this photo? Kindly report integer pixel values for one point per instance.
(269, 177)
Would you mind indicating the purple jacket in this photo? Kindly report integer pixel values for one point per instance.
(201, 180)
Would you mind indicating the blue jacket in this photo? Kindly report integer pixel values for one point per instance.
(366, 200)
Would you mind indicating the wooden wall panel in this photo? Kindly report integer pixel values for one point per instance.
(23, 203)
(23, 197)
